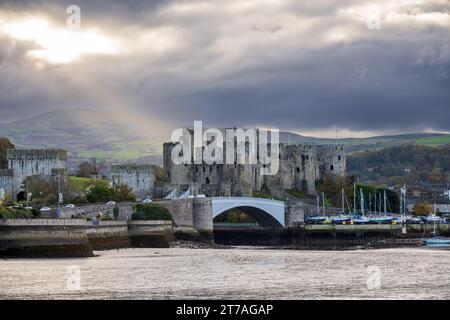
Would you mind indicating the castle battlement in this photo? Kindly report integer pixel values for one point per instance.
(131, 168)
(6, 173)
(37, 154)
(31, 162)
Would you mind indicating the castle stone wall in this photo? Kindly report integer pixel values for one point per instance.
(32, 162)
(141, 178)
(300, 167)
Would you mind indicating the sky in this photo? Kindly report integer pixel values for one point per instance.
(313, 67)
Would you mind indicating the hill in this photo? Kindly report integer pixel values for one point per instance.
(86, 133)
(377, 142)
(122, 136)
(402, 164)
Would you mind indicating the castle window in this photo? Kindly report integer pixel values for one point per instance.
(331, 167)
(204, 169)
(196, 169)
(339, 157)
(207, 180)
(210, 169)
(298, 170)
(307, 157)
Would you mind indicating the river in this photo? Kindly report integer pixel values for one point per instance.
(239, 273)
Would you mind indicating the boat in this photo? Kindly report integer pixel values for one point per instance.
(360, 219)
(315, 219)
(434, 219)
(385, 219)
(435, 241)
(415, 220)
(340, 219)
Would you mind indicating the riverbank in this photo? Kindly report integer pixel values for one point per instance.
(239, 273)
(69, 238)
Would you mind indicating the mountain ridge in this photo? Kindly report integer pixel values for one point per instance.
(126, 136)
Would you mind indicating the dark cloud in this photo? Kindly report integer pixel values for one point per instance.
(300, 66)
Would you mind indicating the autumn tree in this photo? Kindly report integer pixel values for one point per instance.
(5, 144)
(422, 209)
(90, 168)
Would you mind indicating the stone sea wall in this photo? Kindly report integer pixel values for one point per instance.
(78, 237)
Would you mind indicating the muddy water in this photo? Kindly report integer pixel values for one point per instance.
(242, 273)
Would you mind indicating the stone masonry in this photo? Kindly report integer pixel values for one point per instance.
(140, 178)
(31, 162)
(300, 167)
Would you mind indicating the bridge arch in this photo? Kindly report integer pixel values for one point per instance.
(265, 211)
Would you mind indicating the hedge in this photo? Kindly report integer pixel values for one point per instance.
(10, 213)
(151, 211)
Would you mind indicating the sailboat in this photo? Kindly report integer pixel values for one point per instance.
(436, 241)
(382, 219)
(317, 218)
(341, 218)
(362, 219)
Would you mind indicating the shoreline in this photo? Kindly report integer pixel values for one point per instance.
(72, 238)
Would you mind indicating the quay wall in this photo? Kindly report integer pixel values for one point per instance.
(44, 238)
(327, 237)
(66, 238)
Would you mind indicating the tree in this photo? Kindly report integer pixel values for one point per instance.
(100, 192)
(332, 187)
(422, 209)
(124, 193)
(90, 168)
(44, 190)
(5, 144)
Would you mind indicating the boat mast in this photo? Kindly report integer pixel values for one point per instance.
(375, 202)
(384, 198)
(343, 205)
(434, 219)
(318, 204)
(354, 197)
(404, 200)
(362, 202)
(323, 202)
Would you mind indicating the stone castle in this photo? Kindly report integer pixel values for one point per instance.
(300, 166)
(26, 163)
(140, 178)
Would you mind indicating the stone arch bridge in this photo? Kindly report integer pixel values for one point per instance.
(197, 214)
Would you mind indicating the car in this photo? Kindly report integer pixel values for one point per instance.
(70, 206)
(147, 201)
(111, 203)
(45, 209)
(201, 196)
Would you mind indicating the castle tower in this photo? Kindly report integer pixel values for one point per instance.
(141, 178)
(33, 162)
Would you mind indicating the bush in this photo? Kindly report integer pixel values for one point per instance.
(10, 213)
(103, 192)
(105, 217)
(151, 211)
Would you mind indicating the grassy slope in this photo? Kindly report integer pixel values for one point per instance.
(434, 141)
(79, 183)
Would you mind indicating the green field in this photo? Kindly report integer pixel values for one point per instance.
(79, 183)
(434, 141)
(132, 150)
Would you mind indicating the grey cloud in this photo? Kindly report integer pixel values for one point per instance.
(251, 70)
